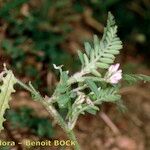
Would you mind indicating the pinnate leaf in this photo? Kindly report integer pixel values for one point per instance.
(6, 89)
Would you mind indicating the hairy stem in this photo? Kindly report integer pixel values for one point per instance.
(24, 86)
(72, 137)
(54, 113)
(62, 123)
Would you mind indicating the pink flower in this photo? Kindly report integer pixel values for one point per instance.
(113, 75)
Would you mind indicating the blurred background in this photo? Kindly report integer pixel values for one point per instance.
(35, 34)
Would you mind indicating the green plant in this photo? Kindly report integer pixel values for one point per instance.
(98, 81)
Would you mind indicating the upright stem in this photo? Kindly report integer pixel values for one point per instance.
(53, 112)
(72, 137)
(62, 123)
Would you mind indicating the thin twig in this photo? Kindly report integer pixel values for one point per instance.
(108, 121)
(79, 88)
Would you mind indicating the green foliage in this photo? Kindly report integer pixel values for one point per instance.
(7, 81)
(108, 95)
(90, 92)
(63, 90)
(102, 53)
(133, 78)
(99, 56)
(93, 87)
(23, 117)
